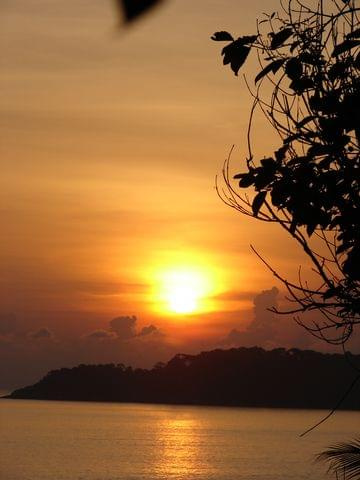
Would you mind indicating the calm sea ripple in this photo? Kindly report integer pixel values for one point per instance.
(92, 441)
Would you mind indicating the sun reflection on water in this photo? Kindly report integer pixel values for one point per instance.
(179, 449)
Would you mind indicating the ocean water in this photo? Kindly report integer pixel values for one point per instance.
(42, 440)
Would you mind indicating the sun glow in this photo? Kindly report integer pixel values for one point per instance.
(185, 290)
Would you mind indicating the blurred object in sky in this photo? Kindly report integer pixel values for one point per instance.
(132, 9)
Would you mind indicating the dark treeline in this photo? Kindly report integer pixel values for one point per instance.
(249, 377)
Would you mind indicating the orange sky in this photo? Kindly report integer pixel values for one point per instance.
(111, 140)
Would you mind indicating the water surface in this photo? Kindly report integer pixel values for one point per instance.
(92, 441)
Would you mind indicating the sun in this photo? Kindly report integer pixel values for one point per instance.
(184, 290)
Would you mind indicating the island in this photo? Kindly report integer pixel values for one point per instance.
(246, 377)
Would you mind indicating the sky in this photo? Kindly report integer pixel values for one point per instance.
(111, 139)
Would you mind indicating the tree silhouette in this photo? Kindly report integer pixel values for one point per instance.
(309, 56)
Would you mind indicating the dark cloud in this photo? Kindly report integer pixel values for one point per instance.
(8, 323)
(124, 327)
(41, 333)
(261, 328)
(267, 329)
(101, 334)
(264, 322)
(149, 330)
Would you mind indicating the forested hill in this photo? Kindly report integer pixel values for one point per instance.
(249, 377)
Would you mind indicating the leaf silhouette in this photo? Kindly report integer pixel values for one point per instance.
(343, 458)
(354, 34)
(236, 53)
(222, 37)
(132, 9)
(311, 228)
(344, 47)
(246, 179)
(258, 202)
(357, 61)
(248, 39)
(311, 58)
(293, 68)
(301, 85)
(279, 38)
(271, 67)
(337, 70)
(305, 121)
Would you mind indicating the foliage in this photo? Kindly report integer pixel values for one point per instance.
(343, 459)
(310, 58)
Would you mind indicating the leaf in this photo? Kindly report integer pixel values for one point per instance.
(311, 59)
(281, 152)
(337, 70)
(354, 34)
(264, 176)
(293, 68)
(344, 47)
(222, 37)
(318, 149)
(305, 121)
(247, 39)
(357, 61)
(247, 180)
(293, 225)
(133, 9)
(342, 248)
(301, 85)
(240, 175)
(279, 38)
(235, 53)
(278, 196)
(271, 67)
(292, 138)
(332, 292)
(351, 269)
(311, 228)
(294, 45)
(343, 459)
(258, 202)
(268, 163)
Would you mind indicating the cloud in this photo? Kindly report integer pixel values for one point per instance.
(264, 321)
(268, 329)
(8, 323)
(124, 327)
(101, 334)
(262, 330)
(41, 333)
(149, 330)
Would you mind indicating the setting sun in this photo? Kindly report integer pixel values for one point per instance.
(184, 289)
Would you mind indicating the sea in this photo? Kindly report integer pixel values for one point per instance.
(43, 440)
